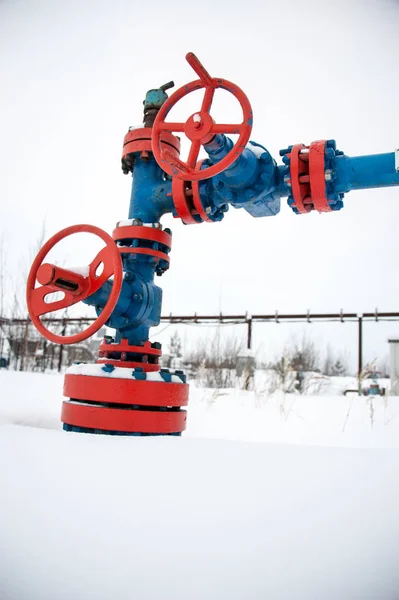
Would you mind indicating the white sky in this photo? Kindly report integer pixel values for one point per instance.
(73, 76)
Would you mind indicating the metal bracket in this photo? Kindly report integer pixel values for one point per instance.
(397, 160)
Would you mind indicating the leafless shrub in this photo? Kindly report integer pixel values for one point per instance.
(283, 376)
(305, 357)
(213, 360)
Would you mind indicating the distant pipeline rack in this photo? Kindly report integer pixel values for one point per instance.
(249, 320)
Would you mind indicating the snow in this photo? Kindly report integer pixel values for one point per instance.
(128, 222)
(125, 222)
(85, 516)
(96, 370)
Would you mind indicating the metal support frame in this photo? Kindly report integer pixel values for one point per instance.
(360, 352)
(249, 334)
(308, 317)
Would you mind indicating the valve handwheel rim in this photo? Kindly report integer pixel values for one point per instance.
(111, 259)
(200, 127)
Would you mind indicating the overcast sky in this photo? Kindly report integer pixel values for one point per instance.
(73, 77)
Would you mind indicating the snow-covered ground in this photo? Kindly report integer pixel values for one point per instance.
(101, 517)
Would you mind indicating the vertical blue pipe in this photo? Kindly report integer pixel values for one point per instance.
(151, 193)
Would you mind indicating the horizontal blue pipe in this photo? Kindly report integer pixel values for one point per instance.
(363, 172)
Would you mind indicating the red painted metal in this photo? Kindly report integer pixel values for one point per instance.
(138, 232)
(116, 354)
(200, 127)
(125, 391)
(139, 140)
(196, 198)
(187, 200)
(182, 201)
(148, 251)
(131, 421)
(125, 347)
(307, 174)
(317, 176)
(199, 68)
(62, 279)
(298, 169)
(35, 297)
(147, 367)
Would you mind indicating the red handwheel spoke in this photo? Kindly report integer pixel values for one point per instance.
(193, 154)
(97, 281)
(208, 99)
(173, 160)
(228, 128)
(41, 307)
(179, 127)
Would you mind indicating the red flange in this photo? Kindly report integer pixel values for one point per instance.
(307, 174)
(118, 355)
(183, 201)
(111, 404)
(139, 140)
(57, 279)
(129, 421)
(130, 391)
(187, 200)
(317, 176)
(137, 232)
(197, 199)
(299, 173)
(200, 127)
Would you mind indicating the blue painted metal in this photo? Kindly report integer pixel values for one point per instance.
(364, 172)
(151, 195)
(344, 174)
(374, 388)
(139, 304)
(250, 183)
(155, 98)
(255, 182)
(77, 429)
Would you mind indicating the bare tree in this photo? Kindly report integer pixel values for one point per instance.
(305, 356)
(284, 376)
(328, 361)
(213, 360)
(175, 345)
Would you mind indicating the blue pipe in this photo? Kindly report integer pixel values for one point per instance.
(252, 182)
(151, 195)
(139, 304)
(365, 172)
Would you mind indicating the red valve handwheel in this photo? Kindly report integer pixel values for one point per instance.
(200, 127)
(35, 297)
